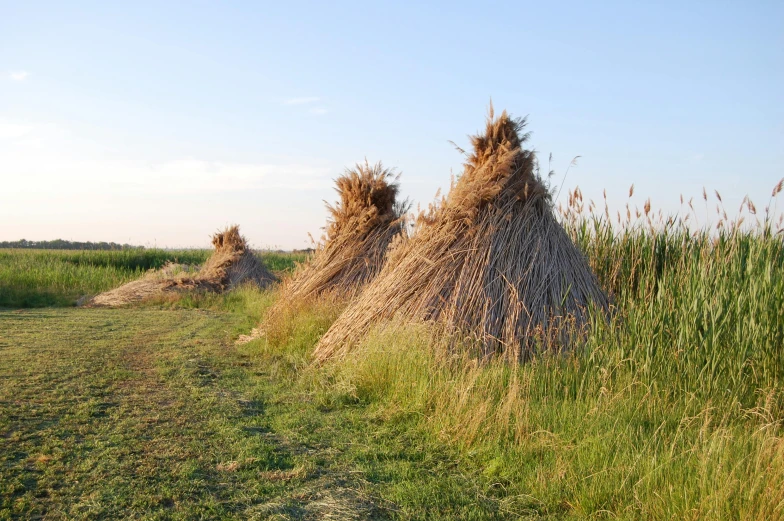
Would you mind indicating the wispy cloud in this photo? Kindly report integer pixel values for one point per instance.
(84, 161)
(319, 111)
(19, 75)
(301, 101)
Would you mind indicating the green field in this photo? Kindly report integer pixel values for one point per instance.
(36, 278)
(672, 410)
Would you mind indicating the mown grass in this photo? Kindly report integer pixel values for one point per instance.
(152, 413)
(673, 409)
(128, 415)
(38, 278)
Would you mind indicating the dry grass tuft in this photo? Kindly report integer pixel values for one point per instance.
(231, 264)
(231, 466)
(492, 261)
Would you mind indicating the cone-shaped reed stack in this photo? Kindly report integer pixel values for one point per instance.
(492, 263)
(360, 228)
(231, 264)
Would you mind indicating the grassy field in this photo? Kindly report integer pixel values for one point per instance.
(154, 414)
(36, 278)
(672, 410)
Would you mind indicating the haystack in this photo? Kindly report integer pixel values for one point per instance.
(360, 228)
(493, 263)
(231, 264)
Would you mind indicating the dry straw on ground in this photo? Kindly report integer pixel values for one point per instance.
(231, 264)
(361, 226)
(492, 262)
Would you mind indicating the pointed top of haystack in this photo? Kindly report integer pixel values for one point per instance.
(498, 169)
(367, 198)
(502, 135)
(230, 239)
(493, 263)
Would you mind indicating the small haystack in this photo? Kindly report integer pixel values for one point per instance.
(492, 262)
(231, 264)
(360, 228)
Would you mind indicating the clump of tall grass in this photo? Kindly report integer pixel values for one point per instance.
(582, 434)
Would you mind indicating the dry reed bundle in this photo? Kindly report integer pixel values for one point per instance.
(231, 263)
(360, 228)
(491, 262)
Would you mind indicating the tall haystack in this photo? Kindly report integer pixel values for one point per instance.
(231, 264)
(360, 228)
(493, 263)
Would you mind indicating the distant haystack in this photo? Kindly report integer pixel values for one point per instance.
(231, 264)
(360, 228)
(492, 262)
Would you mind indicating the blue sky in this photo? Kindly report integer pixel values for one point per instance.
(157, 123)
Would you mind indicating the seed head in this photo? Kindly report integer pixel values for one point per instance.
(778, 188)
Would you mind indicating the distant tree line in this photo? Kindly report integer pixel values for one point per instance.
(60, 244)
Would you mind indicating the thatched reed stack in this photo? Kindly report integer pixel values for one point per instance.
(492, 262)
(361, 226)
(232, 263)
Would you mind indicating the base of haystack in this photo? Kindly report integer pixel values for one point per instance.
(137, 291)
